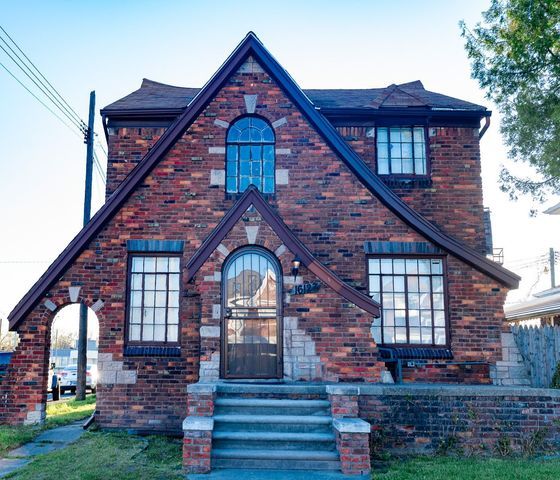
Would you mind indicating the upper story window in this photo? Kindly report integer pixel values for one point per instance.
(412, 294)
(153, 311)
(401, 151)
(250, 155)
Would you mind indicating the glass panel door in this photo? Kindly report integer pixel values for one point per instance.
(251, 317)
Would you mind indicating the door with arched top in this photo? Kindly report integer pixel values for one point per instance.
(251, 311)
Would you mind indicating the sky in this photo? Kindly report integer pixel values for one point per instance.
(110, 46)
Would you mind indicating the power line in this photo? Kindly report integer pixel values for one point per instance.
(49, 97)
(38, 99)
(100, 145)
(98, 167)
(63, 104)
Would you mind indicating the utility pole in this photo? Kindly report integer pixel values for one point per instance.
(82, 335)
(552, 271)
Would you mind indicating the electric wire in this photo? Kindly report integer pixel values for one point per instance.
(51, 94)
(54, 92)
(47, 95)
(38, 99)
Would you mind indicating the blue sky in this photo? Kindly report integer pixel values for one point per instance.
(110, 46)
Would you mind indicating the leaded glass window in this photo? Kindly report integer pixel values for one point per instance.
(401, 151)
(250, 155)
(154, 299)
(412, 294)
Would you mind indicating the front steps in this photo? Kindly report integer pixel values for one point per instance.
(273, 427)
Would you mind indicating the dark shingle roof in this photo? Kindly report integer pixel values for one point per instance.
(159, 96)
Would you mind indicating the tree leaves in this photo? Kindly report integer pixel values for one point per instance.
(515, 56)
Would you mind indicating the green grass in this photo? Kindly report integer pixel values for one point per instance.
(100, 455)
(65, 412)
(445, 468)
(58, 414)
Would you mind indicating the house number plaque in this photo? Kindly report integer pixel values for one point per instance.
(307, 287)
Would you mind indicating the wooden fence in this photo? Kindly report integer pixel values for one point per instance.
(540, 349)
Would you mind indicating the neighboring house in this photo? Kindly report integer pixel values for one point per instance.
(220, 199)
(542, 308)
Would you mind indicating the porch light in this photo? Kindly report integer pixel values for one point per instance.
(296, 262)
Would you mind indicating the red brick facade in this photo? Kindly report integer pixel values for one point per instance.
(323, 203)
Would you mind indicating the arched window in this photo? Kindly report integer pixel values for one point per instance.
(250, 155)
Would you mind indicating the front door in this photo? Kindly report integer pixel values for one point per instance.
(251, 324)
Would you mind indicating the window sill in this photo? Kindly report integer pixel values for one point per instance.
(414, 352)
(151, 351)
(406, 182)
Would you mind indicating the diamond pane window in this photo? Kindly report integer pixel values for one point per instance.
(250, 155)
(154, 299)
(401, 151)
(411, 292)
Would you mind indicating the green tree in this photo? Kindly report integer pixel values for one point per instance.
(515, 56)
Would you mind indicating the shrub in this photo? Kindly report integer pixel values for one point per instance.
(556, 377)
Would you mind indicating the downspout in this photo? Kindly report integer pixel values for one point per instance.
(485, 127)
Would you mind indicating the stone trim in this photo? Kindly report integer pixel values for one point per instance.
(216, 150)
(112, 372)
(250, 103)
(74, 293)
(207, 331)
(49, 304)
(301, 361)
(221, 123)
(456, 390)
(278, 123)
(351, 425)
(201, 424)
(217, 178)
(282, 176)
(201, 388)
(252, 232)
(98, 305)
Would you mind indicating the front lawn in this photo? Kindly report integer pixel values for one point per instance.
(100, 455)
(58, 414)
(445, 468)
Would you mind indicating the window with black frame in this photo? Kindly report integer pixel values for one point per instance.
(412, 294)
(153, 312)
(250, 155)
(401, 151)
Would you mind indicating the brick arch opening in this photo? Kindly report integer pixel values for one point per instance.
(64, 332)
(23, 390)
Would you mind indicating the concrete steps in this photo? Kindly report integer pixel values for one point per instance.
(269, 427)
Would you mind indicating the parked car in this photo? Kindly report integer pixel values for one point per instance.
(69, 375)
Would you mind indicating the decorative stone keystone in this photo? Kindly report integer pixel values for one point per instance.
(73, 293)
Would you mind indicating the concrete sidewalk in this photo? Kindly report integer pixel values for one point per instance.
(234, 474)
(46, 442)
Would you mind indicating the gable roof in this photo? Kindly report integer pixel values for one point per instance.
(253, 197)
(251, 45)
(158, 97)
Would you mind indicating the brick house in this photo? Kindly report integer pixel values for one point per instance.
(258, 236)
